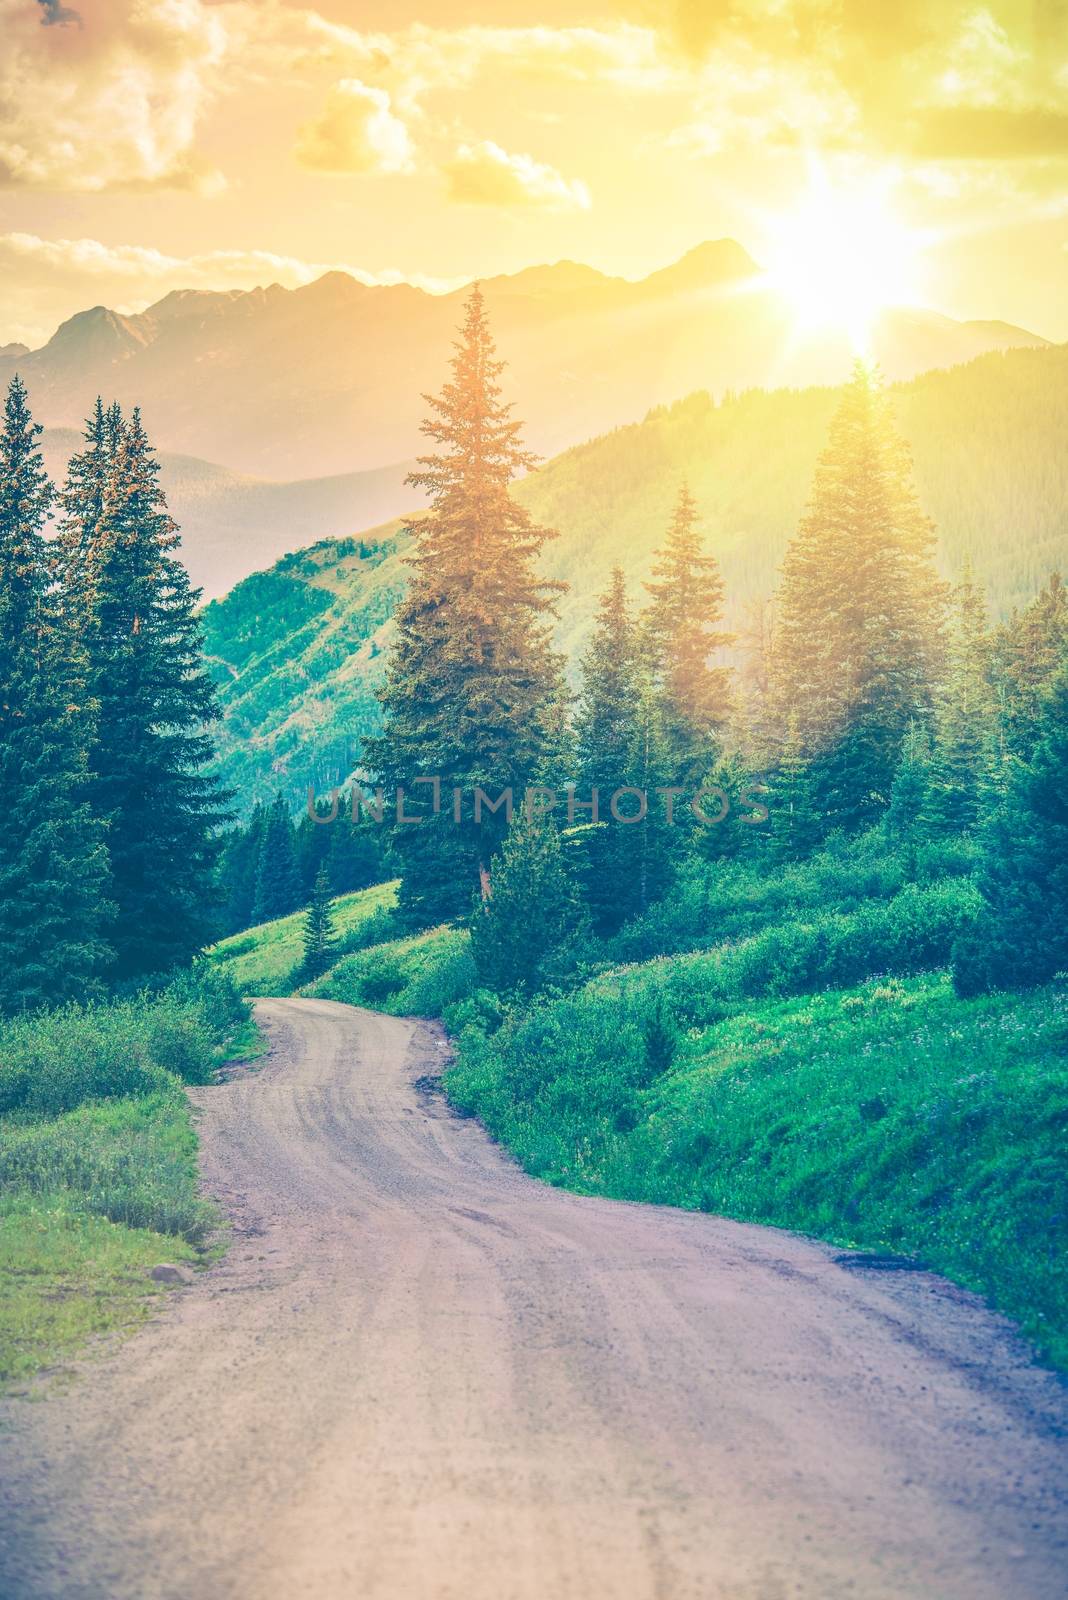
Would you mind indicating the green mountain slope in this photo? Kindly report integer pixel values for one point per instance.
(297, 649)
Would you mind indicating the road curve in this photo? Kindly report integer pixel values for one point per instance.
(420, 1375)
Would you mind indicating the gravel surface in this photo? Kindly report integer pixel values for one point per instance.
(420, 1375)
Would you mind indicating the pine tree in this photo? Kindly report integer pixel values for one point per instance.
(529, 930)
(238, 868)
(278, 886)
(966, 721)
(81, 503)
(473, 683)
(142, 641)
(658, 842)
(1021, 938)
(52, 860)
(682, 623)
(320, 938)
(793, 826)
(609, 700)
(1028, 652)
(908, 822)
(859, 635)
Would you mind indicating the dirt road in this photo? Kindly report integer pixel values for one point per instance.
(420, 1375)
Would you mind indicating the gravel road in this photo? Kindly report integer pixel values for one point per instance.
(420, 1375)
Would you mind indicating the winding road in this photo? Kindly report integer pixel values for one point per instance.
(420, 1375)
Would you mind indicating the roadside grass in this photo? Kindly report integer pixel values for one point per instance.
(420, 976)
(263, 960)
(98, 1168)
(890, 1116)
(66, 1278)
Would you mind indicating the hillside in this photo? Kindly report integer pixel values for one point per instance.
(326, 379)
(233, 524)
(297, 649)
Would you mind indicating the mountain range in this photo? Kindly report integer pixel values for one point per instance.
(325, 380)
(297, 650)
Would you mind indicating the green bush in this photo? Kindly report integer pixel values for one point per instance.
(51, 1062)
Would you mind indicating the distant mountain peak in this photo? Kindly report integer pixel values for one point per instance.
(98, 332)
(715, 261)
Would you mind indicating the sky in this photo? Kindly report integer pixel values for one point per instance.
(147, 145)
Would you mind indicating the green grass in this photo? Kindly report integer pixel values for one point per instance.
(98, 1168)
(421, 976)
(890, 1116)
(262, 960)
(66, 1277)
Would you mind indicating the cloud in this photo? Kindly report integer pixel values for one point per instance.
(991, 133)
(113, 102)
(356, 132)
(57, 15)
(485, 175)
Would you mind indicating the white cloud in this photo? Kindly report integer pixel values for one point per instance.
(112, 102)
(485, 175)
(356, 132)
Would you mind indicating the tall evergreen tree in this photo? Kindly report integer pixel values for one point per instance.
(473, 683)
(238, 868)
(1028, 652)
(683, 625)
(81, 505)
(859, 634)
(53, 864)
(966, 720)
(147, 760)
(1022, 936)
(320, 937)
(278, 886)
(609, 700)
(793, 826)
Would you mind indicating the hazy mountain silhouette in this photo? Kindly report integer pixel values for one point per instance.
(326, 379)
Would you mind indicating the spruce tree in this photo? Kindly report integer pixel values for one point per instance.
(81, 505)
(1021, 938)
(238, 869)
(529, 930)
(609, 700)
(148, 757)
(859, 634)
(683, 626)
(473, 683)
(966, 720)
(1028, 652)
(793, 826)
(278, 886)
(53, 865)
(320, 938)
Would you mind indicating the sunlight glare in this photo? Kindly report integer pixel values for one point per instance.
(842, 257)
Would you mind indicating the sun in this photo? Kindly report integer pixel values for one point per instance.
(841, 257)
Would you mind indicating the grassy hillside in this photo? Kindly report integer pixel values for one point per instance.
(297, 650)
(262, 960)
(812, 1069)
(889, 1116)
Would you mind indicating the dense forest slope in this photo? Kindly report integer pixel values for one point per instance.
(297, 649)
(326, 379)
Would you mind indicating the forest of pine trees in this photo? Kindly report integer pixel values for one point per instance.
(874, 695)
(548, 812)
(108, 854)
